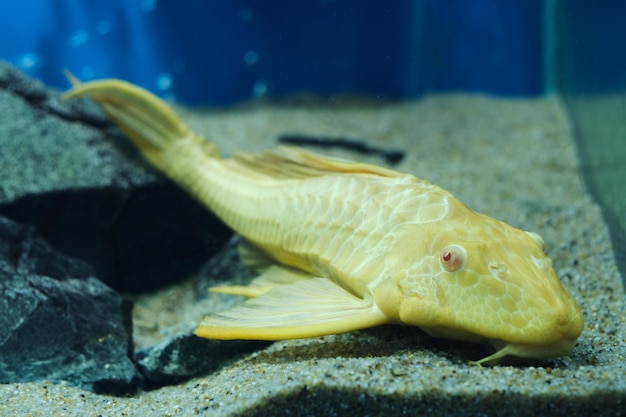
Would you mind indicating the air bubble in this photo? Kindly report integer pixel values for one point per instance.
(103, 27)
(164, 82)
(245, 14)
(148, 5)
(179, 66)
(78, 39)
(87, 73)
(259, 88)
(27, 61)
(250, 57)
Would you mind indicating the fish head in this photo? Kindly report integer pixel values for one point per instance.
(481, 280)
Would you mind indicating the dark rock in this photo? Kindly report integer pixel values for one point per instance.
(67, 171)
(226, 264)
(188, 356)
(58, 322)
(138, 239)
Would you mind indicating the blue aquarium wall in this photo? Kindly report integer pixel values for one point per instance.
(591, 47)
(224, 51)
(590, 71)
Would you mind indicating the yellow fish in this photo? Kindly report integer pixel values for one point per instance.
(343, 245)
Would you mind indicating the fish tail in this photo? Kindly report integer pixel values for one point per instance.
(147, 120)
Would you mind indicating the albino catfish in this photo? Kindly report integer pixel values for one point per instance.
(343, 245)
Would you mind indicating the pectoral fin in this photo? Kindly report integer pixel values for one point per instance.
(308, 308)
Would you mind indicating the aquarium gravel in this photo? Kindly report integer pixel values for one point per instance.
(514, 160)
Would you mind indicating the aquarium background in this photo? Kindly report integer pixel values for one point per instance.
(223, 52)
(590, 73)
(220, 52)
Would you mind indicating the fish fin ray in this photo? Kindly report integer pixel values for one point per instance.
(286, 162)
(272, 276)
(148, 121)
(308, 308)
(253, 257)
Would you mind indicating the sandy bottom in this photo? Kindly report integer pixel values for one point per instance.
(514, 160)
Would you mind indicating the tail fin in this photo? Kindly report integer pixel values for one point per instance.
(146, 119)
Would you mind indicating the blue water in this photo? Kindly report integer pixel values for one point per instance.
(223, 51)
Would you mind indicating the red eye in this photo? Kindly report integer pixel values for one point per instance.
(453, 258)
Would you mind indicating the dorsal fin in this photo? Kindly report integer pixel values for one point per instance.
(291, 162)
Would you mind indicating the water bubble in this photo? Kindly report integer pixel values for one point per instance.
(250, 57)
(103, 27)
(245, 14)
(164, 81)
(87, 73)
(27, 61)
(179, 65)
(259, 88)
(78, 39)
(148, 5)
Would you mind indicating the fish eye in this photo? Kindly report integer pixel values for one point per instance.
(538, 239)
(453, 257)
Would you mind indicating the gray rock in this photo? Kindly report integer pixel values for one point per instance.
(66, 170)
(40, 97)
(57, 321)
